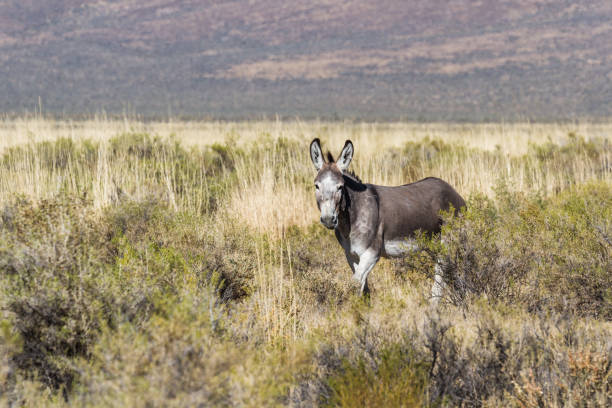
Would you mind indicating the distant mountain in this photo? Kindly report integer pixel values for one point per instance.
(385, 59)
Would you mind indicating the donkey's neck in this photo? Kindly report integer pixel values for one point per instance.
(353, 183)
(353, 188)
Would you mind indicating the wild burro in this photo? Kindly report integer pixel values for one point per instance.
(373, 221)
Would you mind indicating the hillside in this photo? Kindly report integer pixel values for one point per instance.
(440, 59)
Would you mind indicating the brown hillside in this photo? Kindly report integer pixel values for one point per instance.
(389, 59)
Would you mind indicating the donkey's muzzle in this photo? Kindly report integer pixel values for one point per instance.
(330, 222)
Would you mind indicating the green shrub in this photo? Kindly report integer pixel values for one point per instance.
(575, 252)
(547, 254)
(52, 272)
(549, 362)
(485, 255)
(148, 230)
(68, 272)
(176, 358)
(140, 146)
(398, 378)
(319, 265)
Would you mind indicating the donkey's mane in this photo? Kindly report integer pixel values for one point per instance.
(352, 174)
(330, 157)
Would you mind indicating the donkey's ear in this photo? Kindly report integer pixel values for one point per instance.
(315, 153)
(346, 156)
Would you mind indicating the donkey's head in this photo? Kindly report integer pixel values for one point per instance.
(329, 183)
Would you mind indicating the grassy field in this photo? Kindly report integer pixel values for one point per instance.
(182, 264)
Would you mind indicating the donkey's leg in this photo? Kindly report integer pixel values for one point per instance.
(437, 290)
(367, 261)
(438, 286)
(352, 260)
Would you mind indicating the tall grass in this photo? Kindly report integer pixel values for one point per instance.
(269, 164)
(177, 264)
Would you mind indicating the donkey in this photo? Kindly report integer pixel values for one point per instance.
(373, 221)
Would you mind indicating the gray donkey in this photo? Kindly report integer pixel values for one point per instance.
(373, 221)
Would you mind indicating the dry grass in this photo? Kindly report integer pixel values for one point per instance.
(275, 192)
(512, 138)
(198, 274)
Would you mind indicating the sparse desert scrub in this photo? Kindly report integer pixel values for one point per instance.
(543, 252)
(143, 269)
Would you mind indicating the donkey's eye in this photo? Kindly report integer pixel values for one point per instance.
(317, 186)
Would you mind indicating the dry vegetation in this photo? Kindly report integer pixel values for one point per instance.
(181, 264)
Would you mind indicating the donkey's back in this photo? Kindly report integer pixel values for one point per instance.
(416, 206)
